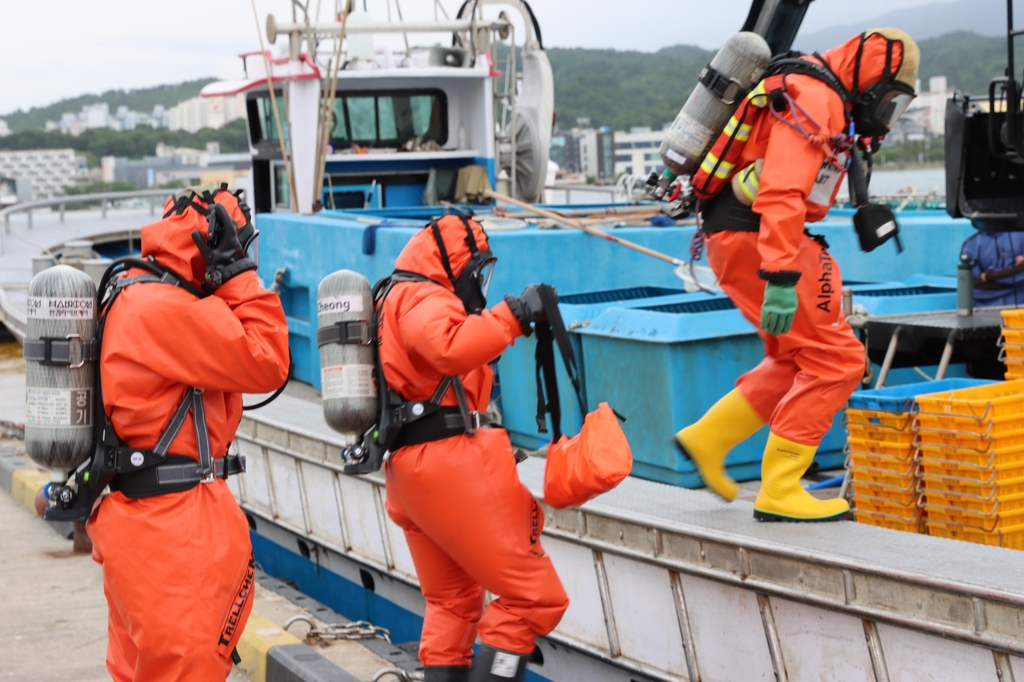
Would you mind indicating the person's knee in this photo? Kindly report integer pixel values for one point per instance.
(552, 601)
(853, 365)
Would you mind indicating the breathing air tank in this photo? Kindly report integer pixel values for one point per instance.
(60, 352)
(732, 73)
(347, 350)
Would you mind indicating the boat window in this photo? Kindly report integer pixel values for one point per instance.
(389, 118)
(282, 194)
(263, 112)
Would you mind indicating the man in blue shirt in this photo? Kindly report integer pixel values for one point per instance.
(998, 260)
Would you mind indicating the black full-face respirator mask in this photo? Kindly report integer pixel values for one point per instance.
(877, 108)
(874, 112)
(474, 281)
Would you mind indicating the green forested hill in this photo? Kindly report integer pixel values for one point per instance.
(134, 144)
(612, 88)
(137, 100)
(968, 60)
(624, 89)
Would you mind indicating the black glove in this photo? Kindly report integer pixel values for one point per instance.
(527, 307)
(222, 250)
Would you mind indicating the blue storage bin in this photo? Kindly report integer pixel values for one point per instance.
(900, 399)
(517, 366)
(662, 366)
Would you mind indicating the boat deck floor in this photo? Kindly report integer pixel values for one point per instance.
(699, 513)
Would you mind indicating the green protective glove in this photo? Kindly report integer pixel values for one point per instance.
(778, 308)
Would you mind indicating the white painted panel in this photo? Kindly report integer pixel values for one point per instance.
(728, 632)
(584, 620)
(324, 517)
(645, 614)
(257, 492)
(916, 657)
(1017, 666)
(361, 522)
(400, 553)
(235, 486)
(821, 645)
(285, 479)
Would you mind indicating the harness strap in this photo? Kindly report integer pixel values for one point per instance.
(57, 350)
(548, 334)
(177, 474)
(444, 423)
(350, 333)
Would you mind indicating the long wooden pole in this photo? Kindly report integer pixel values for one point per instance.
(293, 197)
(325, 131)
(577, 225)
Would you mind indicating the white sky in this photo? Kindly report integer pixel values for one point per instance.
(52, 49)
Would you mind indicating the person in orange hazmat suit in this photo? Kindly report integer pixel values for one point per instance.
(785, 172)
(470, 524)
(177, 566)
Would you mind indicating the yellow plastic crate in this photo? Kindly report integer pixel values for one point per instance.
(899, 494)
(879, 433)
(1010, 376)
(964, 440)
(894, 465)
(895, 420)
(899, 451)
(966, 457)
(1014, 336)
(931, 483)
(878, 505)
(1013, 352)
(1012, 538)
(929, 426)
(979, 402)
(990, 504)
(1013, 318)
(986, 521)
(976, 475)
(887, 521)
(896, 479)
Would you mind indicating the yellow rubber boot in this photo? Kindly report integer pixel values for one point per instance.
(782, 498)
(728, 423)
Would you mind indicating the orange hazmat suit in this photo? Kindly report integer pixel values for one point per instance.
(470, 524)
(809, 372)
(178, 567)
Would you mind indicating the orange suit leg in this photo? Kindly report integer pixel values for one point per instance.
(463, 493)
(808, 373)
(178, 575)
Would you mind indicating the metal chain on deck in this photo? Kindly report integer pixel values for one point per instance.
(400, 675)
(356, 630)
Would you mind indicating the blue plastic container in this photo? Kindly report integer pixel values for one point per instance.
(517, 366)
(662, 367)
(899, 399)
(308, 248)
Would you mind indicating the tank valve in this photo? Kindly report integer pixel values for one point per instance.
(63, 496)
(353, 454)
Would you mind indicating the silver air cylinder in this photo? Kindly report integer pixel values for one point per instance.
(347, 351)
(741, 61)
(59, 348)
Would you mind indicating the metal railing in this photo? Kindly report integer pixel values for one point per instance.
(105, 198)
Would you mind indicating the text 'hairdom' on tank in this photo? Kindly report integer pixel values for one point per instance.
(47, 308)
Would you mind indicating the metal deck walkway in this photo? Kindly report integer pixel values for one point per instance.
(661, 578)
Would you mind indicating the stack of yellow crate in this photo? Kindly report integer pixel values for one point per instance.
(883, 463)
(971, 456)
(1013, 343)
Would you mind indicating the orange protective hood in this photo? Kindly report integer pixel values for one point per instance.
(843, 59)
(422, 256)
(170, 240)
